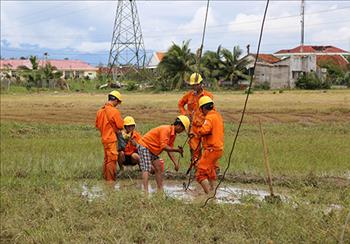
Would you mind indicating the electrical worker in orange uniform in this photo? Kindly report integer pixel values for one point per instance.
(212, 133)
(127, 151)
(156, 141)
(109, 123)
(191, 99)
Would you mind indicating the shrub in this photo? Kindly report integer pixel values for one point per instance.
(347, 79)
(263, 86)
(310, 81)
(131, 85)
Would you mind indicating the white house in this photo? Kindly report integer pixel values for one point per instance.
(69, 68)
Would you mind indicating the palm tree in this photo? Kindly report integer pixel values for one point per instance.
(37, 75)
(32, 76)
(210, 66)
(34, 61)
(233, 68)
(49, 72)
(177, 64)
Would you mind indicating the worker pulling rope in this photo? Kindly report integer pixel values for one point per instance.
(244, 107)
(196, 79)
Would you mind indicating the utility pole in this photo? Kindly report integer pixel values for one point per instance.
(127, 46)
(302, 13)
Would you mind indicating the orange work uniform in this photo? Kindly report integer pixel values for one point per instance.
(109, 121)
(212, 132)
(131, 148)
(193, 111)
(158, 138)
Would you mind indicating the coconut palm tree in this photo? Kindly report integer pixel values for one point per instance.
(232, 67)
(32, 75)
(49, 72)
(34, 61)
(210, 66)
(177, 64)
(39, 76)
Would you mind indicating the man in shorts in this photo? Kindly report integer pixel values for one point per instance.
(153, 143)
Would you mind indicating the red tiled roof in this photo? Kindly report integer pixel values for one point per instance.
(14, 63)
(59, 64)
(160, 55)
(268, 58)
(313, 49)
(335, 59)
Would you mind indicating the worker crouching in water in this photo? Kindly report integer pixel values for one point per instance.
(153, 143)
(212, 134)
(109, 123)
(191, 101)
(127, 151)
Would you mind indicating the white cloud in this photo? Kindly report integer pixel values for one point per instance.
(88, 27)
(197, 22)
(323, 23)
(93, 47)
(331, 35)
(91, 28)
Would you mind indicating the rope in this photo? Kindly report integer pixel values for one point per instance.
(244, 107)
(199, 55)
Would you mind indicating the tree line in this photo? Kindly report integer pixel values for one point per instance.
(179, 63)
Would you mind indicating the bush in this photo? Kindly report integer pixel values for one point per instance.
(131, 85)
(263, 86)
(347, 79)
(248, 91)
(310, 81)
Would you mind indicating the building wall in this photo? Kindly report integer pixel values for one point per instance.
(276, 75)
(280, 77)
(90, 74)
(70, 74)
(262, 73)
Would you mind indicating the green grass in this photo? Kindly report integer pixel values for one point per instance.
(75, 151)
(53, 211)
(43, 168)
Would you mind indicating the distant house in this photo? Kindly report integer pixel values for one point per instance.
(284, 67)
(311, 50)
(309, 58)
(155, 60)
(69, 68)
(269, 70)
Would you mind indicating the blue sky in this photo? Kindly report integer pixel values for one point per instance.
(83, 29)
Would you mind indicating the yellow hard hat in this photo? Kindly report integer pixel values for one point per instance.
(185, 121)
(195, 79)
(205, 100)
(128, 120)
(116, 94)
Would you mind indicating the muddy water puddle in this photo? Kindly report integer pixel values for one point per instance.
(231, 194)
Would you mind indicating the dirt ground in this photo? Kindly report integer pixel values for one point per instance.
(63, 108)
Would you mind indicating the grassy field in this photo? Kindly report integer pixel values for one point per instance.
(49, 149)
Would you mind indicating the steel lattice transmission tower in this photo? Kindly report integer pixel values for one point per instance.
(127, 47)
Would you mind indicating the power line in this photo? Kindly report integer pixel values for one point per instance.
(175, 35)
(209, 26)
(53, 17)
(254, 21)
(43, 11)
